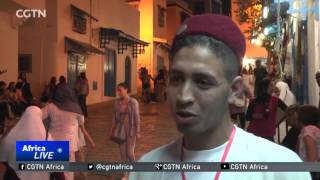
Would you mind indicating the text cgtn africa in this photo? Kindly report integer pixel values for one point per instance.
(40, 152)
(251, 166)
(31, 13)
(45, 167)
(177, 167)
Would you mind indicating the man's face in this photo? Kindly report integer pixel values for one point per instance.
(197, 90)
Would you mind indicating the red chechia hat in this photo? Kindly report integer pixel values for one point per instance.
(219, 27)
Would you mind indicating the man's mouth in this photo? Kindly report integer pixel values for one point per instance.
(185, 117)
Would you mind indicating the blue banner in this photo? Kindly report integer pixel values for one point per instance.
(42, 151)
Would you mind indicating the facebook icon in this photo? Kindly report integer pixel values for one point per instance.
(22, 166)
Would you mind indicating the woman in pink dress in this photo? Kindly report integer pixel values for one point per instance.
(126, 111)
(66, 118)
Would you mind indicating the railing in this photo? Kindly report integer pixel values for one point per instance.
(283, 119)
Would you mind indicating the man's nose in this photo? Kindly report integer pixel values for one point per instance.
(185, 95)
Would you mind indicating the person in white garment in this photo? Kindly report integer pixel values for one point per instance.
(205, 57)
(284, 93)
(29, 128)
(66, 118)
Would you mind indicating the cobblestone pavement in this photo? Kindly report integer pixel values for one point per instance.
(157, 128)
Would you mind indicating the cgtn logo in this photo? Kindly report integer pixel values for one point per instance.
(34, 13)
(42, 151)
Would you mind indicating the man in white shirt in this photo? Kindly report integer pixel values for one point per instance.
(205, 57)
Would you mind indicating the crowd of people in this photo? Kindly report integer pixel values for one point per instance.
(15, 97)
(270, 95)
(59, 114)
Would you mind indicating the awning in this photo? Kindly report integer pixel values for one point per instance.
(124, 40)
(165, 46)
(81, 47)
(163, 43)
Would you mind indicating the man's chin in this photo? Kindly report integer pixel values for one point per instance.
(189, 129)
(194, 129)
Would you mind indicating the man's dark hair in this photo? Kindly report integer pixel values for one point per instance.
(2, 87)
(23, 76)
(11, 85)
(2, 84)
(258, 61)
(309, 115)
(123, 85)
(19, 85)
(62, 79)
(83, 75)
(229, 59)
(53, 79)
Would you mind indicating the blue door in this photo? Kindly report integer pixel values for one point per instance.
(110, 73)
(128, 73)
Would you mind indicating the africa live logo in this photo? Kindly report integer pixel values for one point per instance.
(40, 152)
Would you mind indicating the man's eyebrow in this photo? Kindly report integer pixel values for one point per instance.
(209, 75)
(204, 74)
(197, 74)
